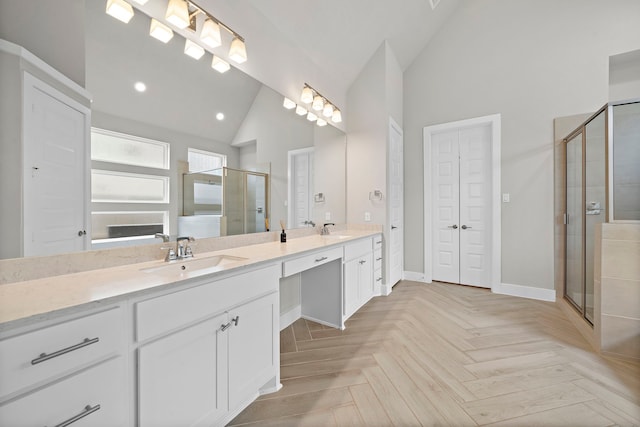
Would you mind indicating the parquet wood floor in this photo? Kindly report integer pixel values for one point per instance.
(446, 355)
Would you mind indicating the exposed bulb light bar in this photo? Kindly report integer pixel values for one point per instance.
(220, 65)
(318, 103)
(238, 51)
(288, 104)
(120, 9)
(193, 50)
(210, 34)
(178, 13)
(160, 31)
(300, 110)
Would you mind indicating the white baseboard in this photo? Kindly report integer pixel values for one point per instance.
(385, 290)
(414, 276)
(290, 316)
(525, 292)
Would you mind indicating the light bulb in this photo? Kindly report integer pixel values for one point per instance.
(193, 50)
(321, 122)
(311, 117)
(328, 110)
(160, 31)
(210, 34)
(120, 9)
(336, 117)
(318, 103)
(300, 110)
(307, 95)
(178, 13)
(220, 65)
(288, 104)
(238, 51)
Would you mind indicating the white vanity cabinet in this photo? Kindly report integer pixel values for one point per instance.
(358, 286)
(79, 359)
(207, 351)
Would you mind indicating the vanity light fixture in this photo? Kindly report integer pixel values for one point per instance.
(178, 13)
(320, 103)
(160, 31)
(321, 122)
(288, 104)
(300, 110)
(120, 9)
(141, 2)
(193, 50)
(220, 65)
(210, 34)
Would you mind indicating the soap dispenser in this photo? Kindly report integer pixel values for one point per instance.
(283, 235)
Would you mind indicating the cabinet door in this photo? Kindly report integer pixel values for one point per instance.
(182, 377)
(253, 347)
(365, 279)
(350, 284)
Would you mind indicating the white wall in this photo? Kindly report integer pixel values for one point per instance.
(51, 30)
(276, 131)
(531, 61)
(624, 76)
(330, 145)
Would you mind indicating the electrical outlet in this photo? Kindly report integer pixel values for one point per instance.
(327, 216)
(367, 216)
(505, 198)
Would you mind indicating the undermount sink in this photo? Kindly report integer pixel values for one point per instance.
(336, 236)
(194, 264)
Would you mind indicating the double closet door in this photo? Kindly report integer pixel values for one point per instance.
(461, 206)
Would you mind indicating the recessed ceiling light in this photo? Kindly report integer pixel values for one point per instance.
(140, 87)
(220, 116)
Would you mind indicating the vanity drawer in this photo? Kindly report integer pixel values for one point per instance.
(309, 261)
(172, 311)
(357, 249)
(36, 356)
(377, 259)
(95, 397)
(377, 242)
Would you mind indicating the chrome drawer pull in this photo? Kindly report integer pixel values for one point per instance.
(44, 356)
(379, 259)
(321, 259)
(362, 261)
(378, 279)
(88, 410)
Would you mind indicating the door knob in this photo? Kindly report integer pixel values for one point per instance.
(454, 226)
(464, 227)
(82, 233)
(393, 227)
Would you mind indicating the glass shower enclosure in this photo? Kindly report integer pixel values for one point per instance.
(602, 184)
(236, 199)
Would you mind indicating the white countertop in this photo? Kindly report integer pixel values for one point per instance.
(34, 300)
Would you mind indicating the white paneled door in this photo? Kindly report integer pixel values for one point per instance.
(300, 187)
(55, 175)
(461, 211)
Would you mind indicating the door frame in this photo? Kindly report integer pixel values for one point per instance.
(494, 121)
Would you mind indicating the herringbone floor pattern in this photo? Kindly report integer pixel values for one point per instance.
(447, 355)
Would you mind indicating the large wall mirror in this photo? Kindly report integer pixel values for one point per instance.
(180, 105)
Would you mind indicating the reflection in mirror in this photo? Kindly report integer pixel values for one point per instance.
(626, 158)
(179, 106)
(224, 202)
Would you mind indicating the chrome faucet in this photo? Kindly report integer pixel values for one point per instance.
(183, 250)
(311, 223)
(164, 237)
(324, 231)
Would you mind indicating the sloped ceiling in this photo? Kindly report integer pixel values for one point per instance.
(342, 35)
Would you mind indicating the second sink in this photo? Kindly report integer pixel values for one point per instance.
(194, 264)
